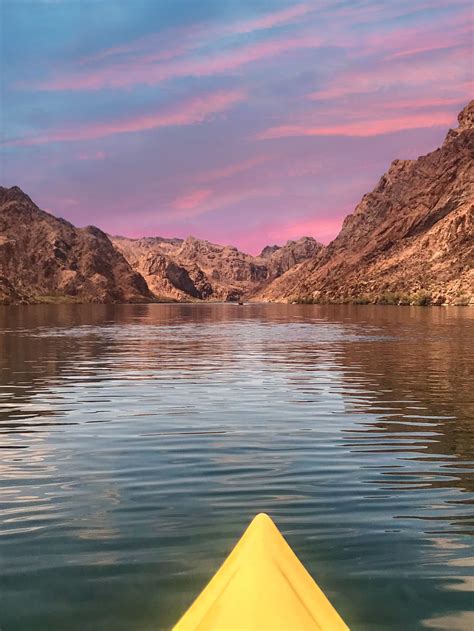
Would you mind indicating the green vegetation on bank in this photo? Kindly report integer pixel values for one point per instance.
(462, 300)
(65, 299)
(420, 298)
(56, 299)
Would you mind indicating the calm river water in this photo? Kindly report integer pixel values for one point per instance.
(137, 441)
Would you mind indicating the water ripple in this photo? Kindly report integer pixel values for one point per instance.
(137, 441)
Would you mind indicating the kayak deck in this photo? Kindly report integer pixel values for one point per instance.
(262, 585)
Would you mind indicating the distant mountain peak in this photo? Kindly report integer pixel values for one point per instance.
(14, 193)
(465, 123)
(44, 258)
(199, 269)
(466, 117)
(268, 250)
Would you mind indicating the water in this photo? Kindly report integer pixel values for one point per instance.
(136, 442)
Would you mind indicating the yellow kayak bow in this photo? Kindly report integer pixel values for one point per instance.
(262, 585)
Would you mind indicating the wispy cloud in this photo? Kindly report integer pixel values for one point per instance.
(397, 75)
(232, 169)
(141, 72)
(373, 12)
(435, 38)
(178, 41)
(192, 111)
(361, 128)
(383, 87)
(420, 50)
(192, 200)
(293, 70)
(421, 102)
(199, 202)
(270, 20)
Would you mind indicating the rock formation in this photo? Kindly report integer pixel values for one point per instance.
(197, 269)
(411, 240)
(45, 259)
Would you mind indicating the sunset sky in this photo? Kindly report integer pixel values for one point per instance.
(240, 121)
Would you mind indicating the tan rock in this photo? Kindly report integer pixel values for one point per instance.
(413, 233)
(44, 259)
(195, 269)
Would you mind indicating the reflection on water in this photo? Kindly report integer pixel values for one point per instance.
(137, 441)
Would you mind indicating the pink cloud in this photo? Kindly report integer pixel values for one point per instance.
(200, 202)
(382, 77)
(232, 169)
(192, 200)
(270, 20)
(424, 102)
(361, 128)
(380, 12)
(454, 33)
(177, 48)
(140, 71)
(428, 48)
(196, 36)
(395, 59)
(195, 110)
(153, 67)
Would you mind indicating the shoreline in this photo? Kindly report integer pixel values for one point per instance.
(237, 304)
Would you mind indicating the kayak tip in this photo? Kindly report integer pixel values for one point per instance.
(262, 517)
(262, 585)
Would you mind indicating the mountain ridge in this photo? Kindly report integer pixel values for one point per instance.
(410, 240)
(199, 269)
(44, 258)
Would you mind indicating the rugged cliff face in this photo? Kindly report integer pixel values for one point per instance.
(197, 269)
(281, 259)
(410, 240)
(44, 259)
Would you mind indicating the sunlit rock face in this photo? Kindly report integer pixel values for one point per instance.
(197, 269)
(46, 259)
(411, 240)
